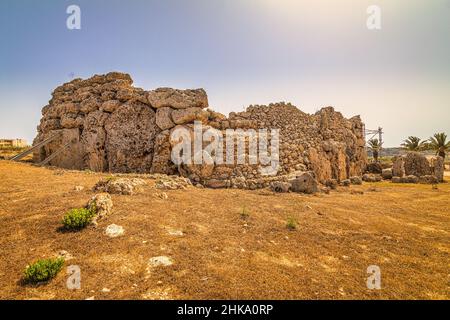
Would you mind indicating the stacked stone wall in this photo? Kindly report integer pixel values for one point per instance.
(113, 126)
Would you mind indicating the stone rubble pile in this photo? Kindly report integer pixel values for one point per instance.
(123, 186)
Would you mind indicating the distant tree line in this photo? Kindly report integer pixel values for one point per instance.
(437, 143)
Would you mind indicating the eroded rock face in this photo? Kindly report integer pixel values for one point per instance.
(113, 126)
(93, 139)
(162, 161)
(131, 131)
(164, 118)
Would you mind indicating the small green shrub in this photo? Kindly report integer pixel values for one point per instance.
(245, 213)
(77, 219)
(43, 270)
(291, 223)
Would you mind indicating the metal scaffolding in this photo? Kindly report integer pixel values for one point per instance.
(371, 134)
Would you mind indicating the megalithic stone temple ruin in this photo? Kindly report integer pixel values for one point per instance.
(105, 124)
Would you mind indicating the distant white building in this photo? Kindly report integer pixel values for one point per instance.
(15, 143)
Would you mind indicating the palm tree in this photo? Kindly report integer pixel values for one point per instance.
(439, 144)
(413, 144)
(375, 146)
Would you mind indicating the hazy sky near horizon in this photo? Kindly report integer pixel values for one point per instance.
(313, 53)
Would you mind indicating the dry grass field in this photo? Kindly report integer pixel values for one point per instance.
(404, 229)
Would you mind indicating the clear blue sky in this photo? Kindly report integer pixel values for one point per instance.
(312, 53)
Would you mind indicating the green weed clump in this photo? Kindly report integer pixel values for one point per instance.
(43, 270)
(291, 223)
(77, 219)
(245, 213)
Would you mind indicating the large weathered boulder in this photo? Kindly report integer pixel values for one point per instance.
(189, 115)
(131, 132)
(71, 120)
(387, 174)
(110, 105)
(164, 118)
(162, 158)
(305, 183)
(374, 167)
(90, 104)
(177, 99)
(93, 139)
(416, 164)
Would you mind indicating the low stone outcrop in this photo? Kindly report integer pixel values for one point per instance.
(172, 183)
(123, 186)
(101, 204)
(370, 177)
(356, 180)
(431, 179)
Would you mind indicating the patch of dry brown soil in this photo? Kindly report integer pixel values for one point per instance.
(404, 229)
